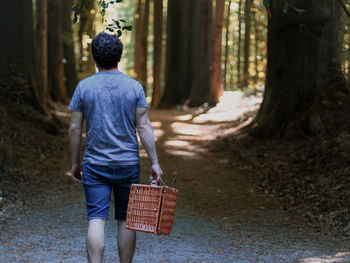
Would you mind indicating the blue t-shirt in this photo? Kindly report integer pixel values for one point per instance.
(108, 101)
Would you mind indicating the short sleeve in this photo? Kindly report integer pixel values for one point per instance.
(76, 103)
(141, 100)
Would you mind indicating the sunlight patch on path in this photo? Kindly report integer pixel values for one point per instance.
(198, 131)
(232, 105)
(337, 258)
(176, 143)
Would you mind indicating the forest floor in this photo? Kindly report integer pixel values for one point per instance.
(227, 210)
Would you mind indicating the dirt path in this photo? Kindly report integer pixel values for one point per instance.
(217, 218)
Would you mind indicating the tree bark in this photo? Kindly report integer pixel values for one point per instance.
(227, 42)
(41, 53)
(19, 45)
(13, 26)
(157, 53)
(86, 30)
(138, 39)
(28, 53)
(239, 79)
(216, 80)
(302, 68)
(256, 47)
(178, 50)
(55, 52)
(141, 42)
(200, 92)
(247, 21)
(70, 69)
(144, 49)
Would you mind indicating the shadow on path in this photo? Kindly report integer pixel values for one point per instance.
(217, 219)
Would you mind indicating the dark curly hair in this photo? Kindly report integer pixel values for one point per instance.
(107, 50)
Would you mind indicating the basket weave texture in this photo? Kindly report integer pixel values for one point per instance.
(151, 209)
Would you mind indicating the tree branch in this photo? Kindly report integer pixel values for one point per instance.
(344, 7)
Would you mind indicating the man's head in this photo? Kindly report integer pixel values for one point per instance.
(107, 50)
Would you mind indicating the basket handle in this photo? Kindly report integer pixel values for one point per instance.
(154, 182)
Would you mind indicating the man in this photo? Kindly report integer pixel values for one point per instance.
(114, 106)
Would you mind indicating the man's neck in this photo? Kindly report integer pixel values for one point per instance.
(108, 70)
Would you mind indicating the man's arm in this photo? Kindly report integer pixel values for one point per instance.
(145, 130)
(75, 130)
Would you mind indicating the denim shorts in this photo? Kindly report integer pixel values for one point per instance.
(98, 183)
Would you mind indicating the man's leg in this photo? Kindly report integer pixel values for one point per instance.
(126, 243)
(95, 240)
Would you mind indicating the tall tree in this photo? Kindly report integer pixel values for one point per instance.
(55, 52)
(216, 80)
(138, 38)
(41, 53)
(188, 53)
(28, 54)
(13, 25)
(157, 53)
(239, 43)
(19, 45)
(228, 14)
(200, 92)
(178, 47)
(303, 69)
(141, 41)
(247, 22)
(256, 44)
(86, 31)
(70, 70)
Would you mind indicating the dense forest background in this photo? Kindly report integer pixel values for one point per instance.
(187, 54)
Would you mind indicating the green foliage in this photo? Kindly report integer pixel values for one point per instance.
(266, 3)
(116, 26)
(286, 7)
(75, 10)
(271, 5)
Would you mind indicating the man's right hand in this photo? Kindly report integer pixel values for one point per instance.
(156, 172)
(76, 172)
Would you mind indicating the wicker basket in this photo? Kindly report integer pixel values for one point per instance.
(151, 209)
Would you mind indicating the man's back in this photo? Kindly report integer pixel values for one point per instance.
(108, 101)
(114, 106)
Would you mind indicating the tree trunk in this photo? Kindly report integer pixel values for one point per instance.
(141, 42)
(227, 42)
(200, 92)
(239, 84)
(138, 39)
(256, 47)
(178, 51)
(86, 30)
(41, 53)
(302, 67)
(13, 26)
(70, 70)
(55, 52)
(157, 53)
(247, 21)
(27, 52)
(19, 55)
(216, 80)
(144, 49)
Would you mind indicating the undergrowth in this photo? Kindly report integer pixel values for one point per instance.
(309, 175)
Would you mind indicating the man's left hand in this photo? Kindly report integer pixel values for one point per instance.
(156, 173)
